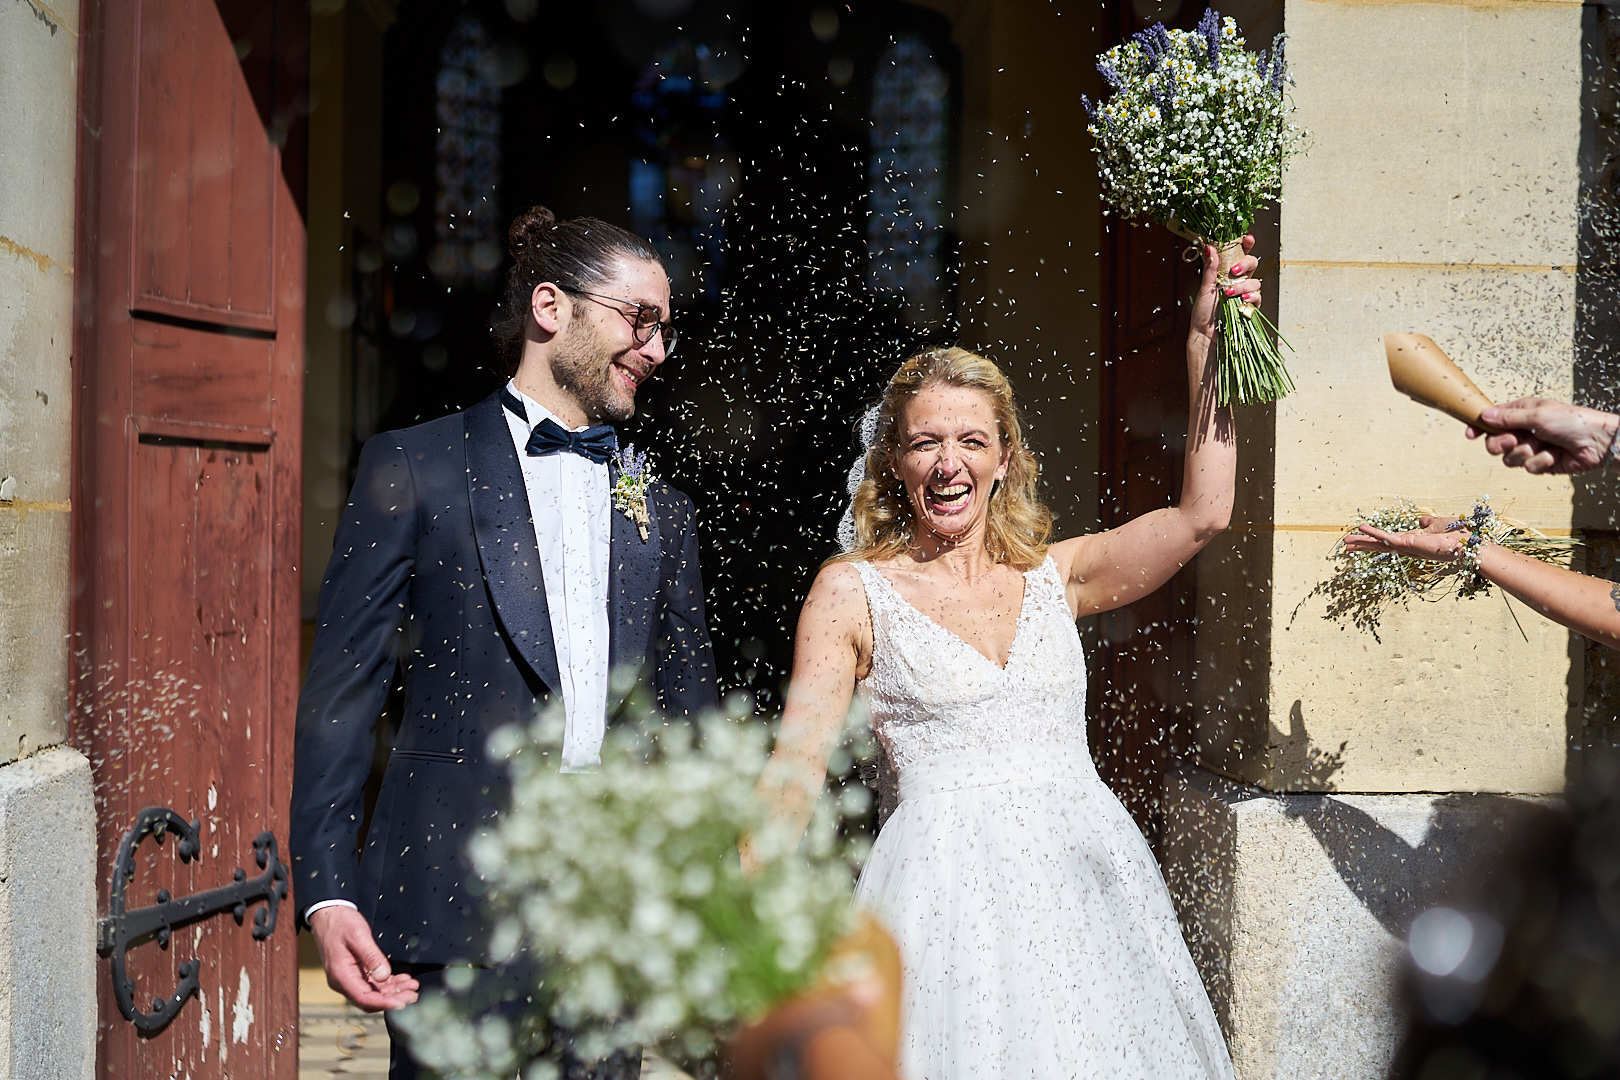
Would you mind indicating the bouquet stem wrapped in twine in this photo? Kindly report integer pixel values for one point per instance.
(1250, 369)
(1225, 255)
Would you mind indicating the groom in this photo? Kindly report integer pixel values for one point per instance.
(486, 555)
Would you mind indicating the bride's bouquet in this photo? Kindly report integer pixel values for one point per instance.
(622, 887)
(1195, 135)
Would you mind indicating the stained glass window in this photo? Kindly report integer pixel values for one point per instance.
(684, 178)
(467, 249)
(906, 230)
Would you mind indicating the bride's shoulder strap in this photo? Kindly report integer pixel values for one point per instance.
(1048, 573)
(872, 581)
(873, 584)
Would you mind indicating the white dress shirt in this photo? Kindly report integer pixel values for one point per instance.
(570, 501)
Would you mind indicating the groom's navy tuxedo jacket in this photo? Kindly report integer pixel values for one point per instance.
(435, 568)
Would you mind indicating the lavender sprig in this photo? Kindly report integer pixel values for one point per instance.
(630, 489)
(1210, 27)
(1155, 42)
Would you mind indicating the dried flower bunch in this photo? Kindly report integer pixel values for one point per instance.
(630, 487)
(1365, 584)
(624, 886)
(1195, 135)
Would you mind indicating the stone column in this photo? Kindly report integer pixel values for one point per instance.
(1440, 194)
(47, 823)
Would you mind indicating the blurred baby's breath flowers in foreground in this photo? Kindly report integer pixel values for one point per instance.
(623, 888)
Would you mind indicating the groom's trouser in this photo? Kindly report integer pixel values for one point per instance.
(507, 990)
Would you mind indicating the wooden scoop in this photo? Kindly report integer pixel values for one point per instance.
(1421, 371)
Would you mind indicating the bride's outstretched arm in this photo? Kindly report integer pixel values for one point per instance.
(833, 642)
(1110, 569)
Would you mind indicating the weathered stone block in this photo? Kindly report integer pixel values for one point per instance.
(38, 143)
(34, 653)
(1440, 132)
(39, 83)
(47, 918)
(36, 390)
(1349, 441)
(1297, 908)
(1454, 695)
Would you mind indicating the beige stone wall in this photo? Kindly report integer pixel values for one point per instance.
(1297, 908)
(39, 49)
(1440, 195)
(47, 917)
(47, 820)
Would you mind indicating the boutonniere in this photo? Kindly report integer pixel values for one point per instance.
(630, 490)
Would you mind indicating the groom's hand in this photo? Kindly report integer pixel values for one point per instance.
(355, 967)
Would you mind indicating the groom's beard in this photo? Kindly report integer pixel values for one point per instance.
(583, 366)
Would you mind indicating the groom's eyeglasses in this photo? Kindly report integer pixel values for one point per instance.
(644, 321)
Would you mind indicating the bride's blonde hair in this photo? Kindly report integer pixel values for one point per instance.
(885, 521)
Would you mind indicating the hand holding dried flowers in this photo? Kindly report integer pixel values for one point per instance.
(623, 886)
(1195, 136)
(1440, 557)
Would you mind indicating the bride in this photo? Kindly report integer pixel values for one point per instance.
(1038, 938)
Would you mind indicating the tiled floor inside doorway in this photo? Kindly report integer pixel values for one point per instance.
(337, 1039)
(334, 1037)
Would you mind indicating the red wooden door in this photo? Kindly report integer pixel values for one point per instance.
(188, 385)
(1141, 722)
(1142, 719)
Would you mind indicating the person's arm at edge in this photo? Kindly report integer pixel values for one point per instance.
(1544, 437)
(1588, 605)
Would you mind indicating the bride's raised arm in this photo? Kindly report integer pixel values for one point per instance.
(831, 648)
(1109, 569)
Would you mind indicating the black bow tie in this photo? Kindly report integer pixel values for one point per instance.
(596, 444)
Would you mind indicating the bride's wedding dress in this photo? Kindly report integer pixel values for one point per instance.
(1038, 938)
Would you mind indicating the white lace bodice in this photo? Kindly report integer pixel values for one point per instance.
(930, 692)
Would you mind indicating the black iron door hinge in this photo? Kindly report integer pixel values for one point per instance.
(122, 930)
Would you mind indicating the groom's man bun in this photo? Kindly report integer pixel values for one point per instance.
(576, 255)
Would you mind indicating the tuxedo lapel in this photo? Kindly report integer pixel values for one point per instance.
(504, 528)
(632, 591)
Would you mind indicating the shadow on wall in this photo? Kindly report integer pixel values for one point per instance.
(1595, 684)
(1397, 881)
(1297, 765)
